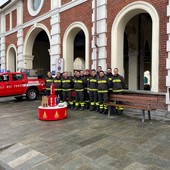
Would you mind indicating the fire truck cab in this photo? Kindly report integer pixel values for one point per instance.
(17, 84)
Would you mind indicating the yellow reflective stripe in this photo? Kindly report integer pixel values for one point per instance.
(49, 81)
(57, 81)
(102, 81)
(118, 90)
(92, 103)
(58, 89)
(93, 80)
(92, 89)
(117, 81)
(47, 88)
(66, 81)
(110, 78)
(79, 90)
(102, 91)
(78, 81)
(110, 89)
(67, 89)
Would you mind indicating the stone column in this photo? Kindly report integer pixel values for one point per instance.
(168, 60)
(101, 32)
(55, 49)
(20, 45)
(28, 61)
(133, 72)
(2, 52)
(2, 43)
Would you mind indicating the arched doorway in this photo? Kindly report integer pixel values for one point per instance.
(137, 57)
(124, 17)
(41, 60)
(76, 45)
(37, 49)
(79, 51)
(11, 58)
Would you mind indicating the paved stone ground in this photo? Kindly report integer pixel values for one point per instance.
(84, 141)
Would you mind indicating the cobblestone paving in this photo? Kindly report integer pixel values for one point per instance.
(84, 141)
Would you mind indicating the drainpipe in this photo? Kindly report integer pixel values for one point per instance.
(95, 34)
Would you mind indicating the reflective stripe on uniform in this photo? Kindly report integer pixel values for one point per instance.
(102, 81)
(79, 90)
(49, 81)
(92, 89)
(57, 81)
(67, 89)
(102, 91)
(66, 81)
(58, 89)
(93, 80)
(47, 88)
(117, 81)
(92, 103)
(78, 81)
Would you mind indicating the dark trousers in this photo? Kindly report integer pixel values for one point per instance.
(102, 98)
(93, 98)
(67, 94)
(118, 102)
(59, 93)
(47, 92)
(79, 98)
(86, 96)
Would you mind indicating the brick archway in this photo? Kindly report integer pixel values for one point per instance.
(117, 35)
(68, 43)
(29, 42)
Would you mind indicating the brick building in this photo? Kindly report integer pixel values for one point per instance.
(82, 34)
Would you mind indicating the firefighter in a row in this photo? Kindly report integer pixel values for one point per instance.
(98, 86)
(118, 84)
(92, 87)
(67, 88)
(102, 91)
(48, 80)
(79, 87)
(58, 85)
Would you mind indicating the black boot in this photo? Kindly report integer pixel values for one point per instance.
(91, 108)
(101, 110)
(76, 108)
(72, 107)
(97, 109)
(87, 106)
(105, 111)
(82, 108)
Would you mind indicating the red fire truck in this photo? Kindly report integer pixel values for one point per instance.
(18, 84)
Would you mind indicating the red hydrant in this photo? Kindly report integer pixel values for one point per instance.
(52, 97)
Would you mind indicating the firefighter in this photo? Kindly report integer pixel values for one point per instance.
(102, 92)
(49, 79)
(79, 84)
(99, 68)
(58, 85)
(86, 94)
(67, 87)
(118, 84)
(109, 76)
(92, 88)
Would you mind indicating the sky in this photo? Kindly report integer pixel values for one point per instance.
(2, 2)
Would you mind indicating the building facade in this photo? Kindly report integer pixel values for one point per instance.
(61, 35)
